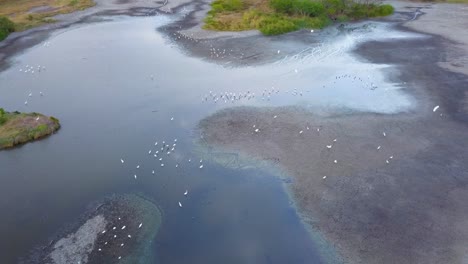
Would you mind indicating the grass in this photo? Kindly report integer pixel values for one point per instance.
(18, 128)
(273, 17)
(18, 11)
(455, 1)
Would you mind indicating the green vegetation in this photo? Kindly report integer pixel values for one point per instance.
(273, 17)
(17, 15)
(6, 27)
(17, 128)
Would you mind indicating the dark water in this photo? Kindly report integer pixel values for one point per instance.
(115, 87)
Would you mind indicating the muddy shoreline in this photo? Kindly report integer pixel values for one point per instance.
(390, 188)
(116, 228)
(401, 203)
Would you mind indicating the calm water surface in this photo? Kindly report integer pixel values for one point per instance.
(115, 87)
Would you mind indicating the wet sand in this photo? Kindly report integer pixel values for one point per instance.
(401, 202)
(120, 228)
(407, 210)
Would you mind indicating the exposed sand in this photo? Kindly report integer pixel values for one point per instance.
(76, 247)
(120, 230)
(402, 203)
(409, 210)
(447, 20)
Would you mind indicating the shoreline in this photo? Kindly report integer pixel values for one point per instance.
(451, 103)
(71, 244)
(21, 128)
(364, 203)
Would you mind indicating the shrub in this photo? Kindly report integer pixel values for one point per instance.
(334, 8)
(282, 6)
(307, 7)
(226, 5)
(298, 7)
(275, 25)
(6, 27)
(385, 10)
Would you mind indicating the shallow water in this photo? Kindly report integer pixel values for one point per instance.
(115, 87)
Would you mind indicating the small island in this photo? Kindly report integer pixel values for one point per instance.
(18, 128)
(274, 17)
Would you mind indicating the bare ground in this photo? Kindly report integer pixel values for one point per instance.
(400, 203)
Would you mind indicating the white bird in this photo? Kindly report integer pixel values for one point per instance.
(378, 147)
(335, 161)
(121, 160)
(152, 172)
(115, 236)
(387, 161)
(37, 118)
(156, 143)
(120, 257)
(162, 164)
(103, 232)
(149, 152)
(300, 132)
(172, 118)
(279, 51)
(129, 236)
(180, 205)
(329, 146)
(335, 140)
(26, 103)
(324, 177)
(138, 166)
(435, 108)
(186, 192)
(256, 130)
(99, 249)
(201, 166)
(114, 228)
(141, 224)
(384, 134)
(135, 176)
(122, 244)
(275, 116)
(30, 95)
(123, 227)
(311, 31)
(318, 129)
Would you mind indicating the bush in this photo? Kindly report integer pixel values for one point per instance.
(6, 27)
(282, 6)
(334, 8)
(3, 117)
(226, 5)
(273, 25)
(307, 8)
(298, 7)
(385, 10)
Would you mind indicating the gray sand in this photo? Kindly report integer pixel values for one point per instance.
(76, 247)
(401, 203)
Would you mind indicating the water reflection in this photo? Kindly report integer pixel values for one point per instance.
(115, 86)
